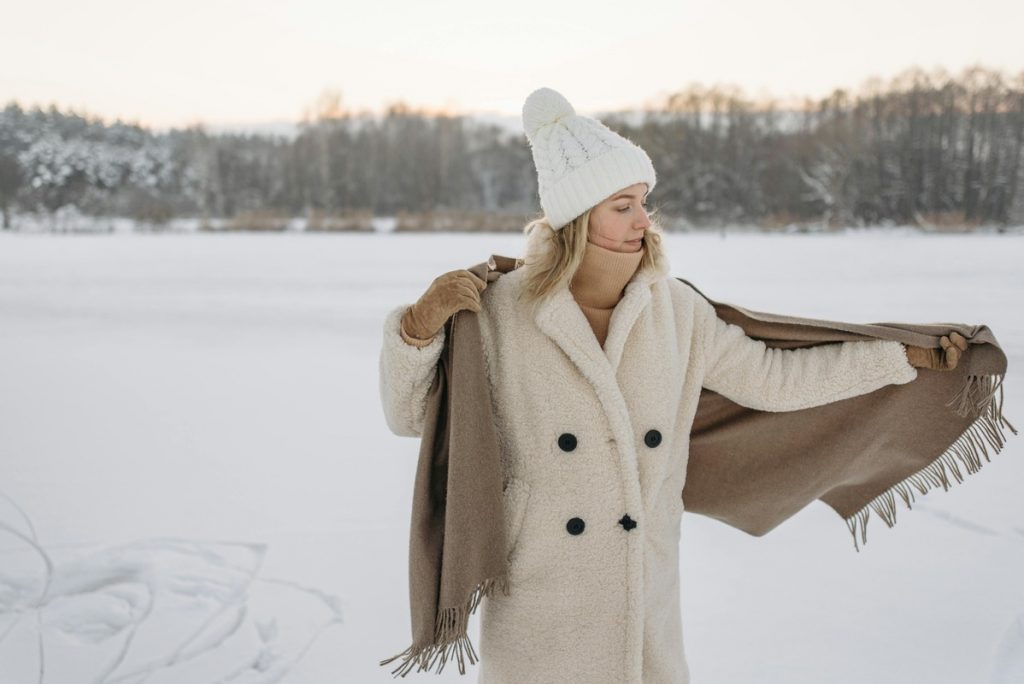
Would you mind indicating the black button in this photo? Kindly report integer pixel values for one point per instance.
(567, 441)
(575, 525)
(627, 522)
(652, 438)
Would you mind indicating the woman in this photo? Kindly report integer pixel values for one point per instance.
(596, 357)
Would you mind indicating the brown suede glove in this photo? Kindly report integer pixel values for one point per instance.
(448, 293)
(944, 359)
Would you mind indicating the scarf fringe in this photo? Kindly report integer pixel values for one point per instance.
(450, 635)
(977, 397)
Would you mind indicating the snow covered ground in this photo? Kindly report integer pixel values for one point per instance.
(191, 438)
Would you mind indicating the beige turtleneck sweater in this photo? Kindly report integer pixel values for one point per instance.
(599, 281)
(597, 287)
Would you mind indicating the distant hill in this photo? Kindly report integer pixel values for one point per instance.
(511, 123)
(290, 129)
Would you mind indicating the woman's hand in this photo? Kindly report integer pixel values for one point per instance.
(945, 359)
(448, 293)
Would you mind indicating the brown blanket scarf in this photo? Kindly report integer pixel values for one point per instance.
(747, 468)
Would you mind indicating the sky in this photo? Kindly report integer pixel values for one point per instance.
(220, 62)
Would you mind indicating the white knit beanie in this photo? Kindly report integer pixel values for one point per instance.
(580, 161)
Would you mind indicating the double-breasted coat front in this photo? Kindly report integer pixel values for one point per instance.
(594, 445)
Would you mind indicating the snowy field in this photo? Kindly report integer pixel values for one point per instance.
(195, 469)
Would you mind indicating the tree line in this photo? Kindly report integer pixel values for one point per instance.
(924, 148)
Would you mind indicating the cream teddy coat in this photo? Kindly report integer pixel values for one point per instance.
(594, 445)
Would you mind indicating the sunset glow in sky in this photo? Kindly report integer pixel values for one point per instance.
(220, 62)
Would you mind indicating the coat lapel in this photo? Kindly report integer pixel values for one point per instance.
(634, 300)
(561, 319)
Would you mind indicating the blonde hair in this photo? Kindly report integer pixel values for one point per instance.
(552, 257)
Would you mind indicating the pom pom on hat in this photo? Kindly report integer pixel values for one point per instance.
(580, 162)
(544, 106)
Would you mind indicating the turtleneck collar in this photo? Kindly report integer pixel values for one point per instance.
(603, 274)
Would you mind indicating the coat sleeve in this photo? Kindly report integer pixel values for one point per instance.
(406, 373)
(754, 375)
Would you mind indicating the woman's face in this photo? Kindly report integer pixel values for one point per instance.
(618, 223)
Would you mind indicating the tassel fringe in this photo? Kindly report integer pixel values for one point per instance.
(450, 635)
(977, 398)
